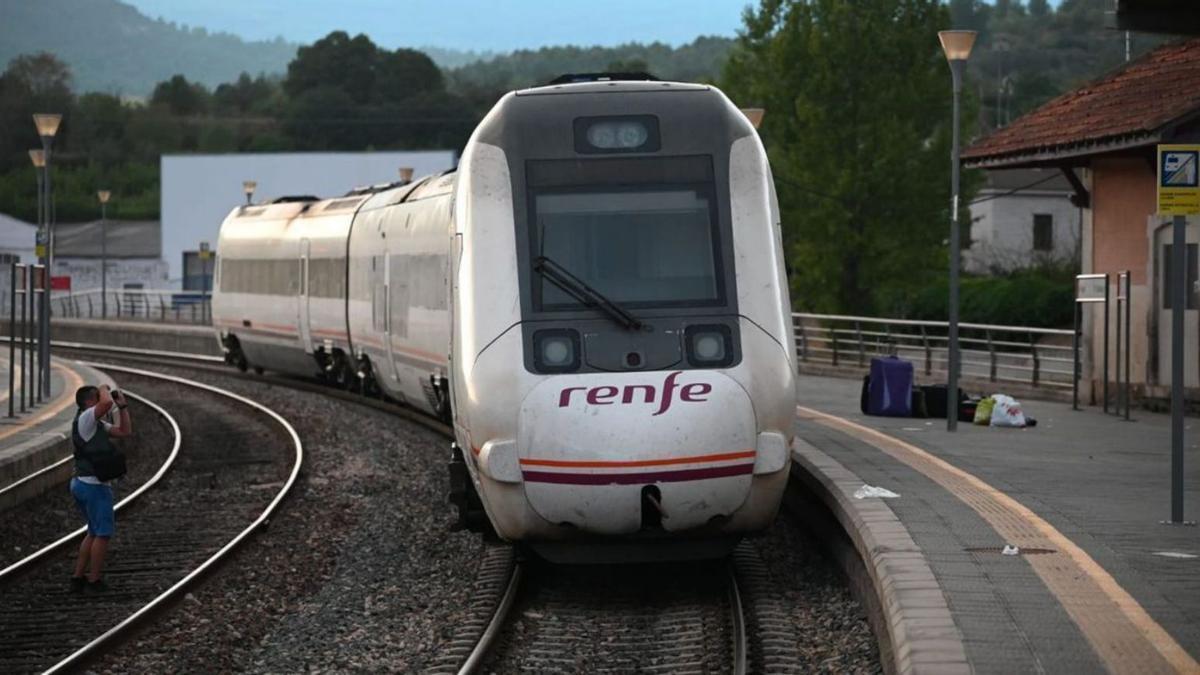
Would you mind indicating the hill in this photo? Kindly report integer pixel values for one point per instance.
(112, 47)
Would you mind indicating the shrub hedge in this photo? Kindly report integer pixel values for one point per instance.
(1029, 298)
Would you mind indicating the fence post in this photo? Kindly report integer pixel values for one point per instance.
(162, 309)
(928, 351)
(803, 342)
(862, 354)
(833, 334)
(1037, 363)
(991, 354)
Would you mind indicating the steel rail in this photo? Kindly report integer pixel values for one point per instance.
(475, 659)
(74, 536)
(739, 625)
(263, 518)
(46, 469)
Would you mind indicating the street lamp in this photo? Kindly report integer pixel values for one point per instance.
(47, 127)
(38, 157)
(248, 187)
(103, 196)
(406, 175)
(957, 46)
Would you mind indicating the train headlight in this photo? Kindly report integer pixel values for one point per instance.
(710, 346)
(625, 133)
(556, 350)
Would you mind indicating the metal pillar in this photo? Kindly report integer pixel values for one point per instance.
(44, 314)
(1179, 297)
(12, 340)
(956, 70)
(1104, 389)
(1128, 339)
(103, 260)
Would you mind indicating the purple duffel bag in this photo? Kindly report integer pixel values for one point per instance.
(890, 391)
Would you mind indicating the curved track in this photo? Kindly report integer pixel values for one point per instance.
(200, 505)
(736, 625)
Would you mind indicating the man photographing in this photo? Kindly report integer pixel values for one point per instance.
(97, 463)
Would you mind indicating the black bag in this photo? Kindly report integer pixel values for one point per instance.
(919, 406)
(109, 465)
(865, 398)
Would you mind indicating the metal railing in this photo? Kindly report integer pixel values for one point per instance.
(995, 353)
(134, 304)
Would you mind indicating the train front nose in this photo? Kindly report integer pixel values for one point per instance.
(596, 449)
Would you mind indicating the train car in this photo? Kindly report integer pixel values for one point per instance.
(280, 298)
(622, 356)
(398, 302)
(596, 298)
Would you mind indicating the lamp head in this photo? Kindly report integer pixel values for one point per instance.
(957, 44)
(755, 115)
(47, 124)
(104, 195)
(248, 186)
(38, 157)
(406, 174)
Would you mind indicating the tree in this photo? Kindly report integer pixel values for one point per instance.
(30, 84)
(405, 73)
(181, 97)
(857, 127)
(337, 61)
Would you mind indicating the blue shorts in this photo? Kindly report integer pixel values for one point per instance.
(95, 502)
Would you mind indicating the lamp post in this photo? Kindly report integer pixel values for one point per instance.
(47, 127)
(103, 196)
(38, 157)
(957, 46)
(248, 186)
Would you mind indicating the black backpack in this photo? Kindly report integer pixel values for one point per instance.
(106, 460)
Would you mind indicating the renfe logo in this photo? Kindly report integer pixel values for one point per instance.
(607, 394)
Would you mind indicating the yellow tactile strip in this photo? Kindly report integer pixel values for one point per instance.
(921, 630)
(65, 399)
(1123, 634)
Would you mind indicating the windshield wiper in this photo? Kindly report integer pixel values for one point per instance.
(588, 296)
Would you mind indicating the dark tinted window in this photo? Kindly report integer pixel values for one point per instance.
(643, 246)
(1043, 232)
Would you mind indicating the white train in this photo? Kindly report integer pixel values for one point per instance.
(596, 298)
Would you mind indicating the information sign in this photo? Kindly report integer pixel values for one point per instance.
(1179, 180)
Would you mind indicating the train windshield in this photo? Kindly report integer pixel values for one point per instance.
(642, 247)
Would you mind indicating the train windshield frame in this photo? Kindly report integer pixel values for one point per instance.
(644, 232)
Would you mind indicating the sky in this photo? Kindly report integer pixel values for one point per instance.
(489, 25)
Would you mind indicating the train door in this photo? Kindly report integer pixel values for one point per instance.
(302, 319)
(1191, 318)
(388, 274)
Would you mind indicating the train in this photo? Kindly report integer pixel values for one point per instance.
(594, 299)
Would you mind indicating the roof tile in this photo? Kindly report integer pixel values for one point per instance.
(1136, 100)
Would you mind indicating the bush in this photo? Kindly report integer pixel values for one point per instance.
(1040, 298)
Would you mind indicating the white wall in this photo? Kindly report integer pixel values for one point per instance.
(199, 190)
(1002, 229)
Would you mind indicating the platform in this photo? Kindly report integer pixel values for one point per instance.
(39, 436)
(1101, 583)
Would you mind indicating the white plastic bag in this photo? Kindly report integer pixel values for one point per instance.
(1007, 412)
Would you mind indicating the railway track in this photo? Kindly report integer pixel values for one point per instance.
(234, 462)
(714, 617)
(669, 618)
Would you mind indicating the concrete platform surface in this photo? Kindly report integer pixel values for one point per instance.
(1100, 583)
(39, 436)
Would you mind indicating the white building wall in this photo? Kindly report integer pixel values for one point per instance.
(1002, 230)
(198, 191)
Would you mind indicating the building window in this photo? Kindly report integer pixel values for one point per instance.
(1043, 232)
(1192, 254)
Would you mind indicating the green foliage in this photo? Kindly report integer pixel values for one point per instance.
(1042, 298)
(858, 138)
(181, 97)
